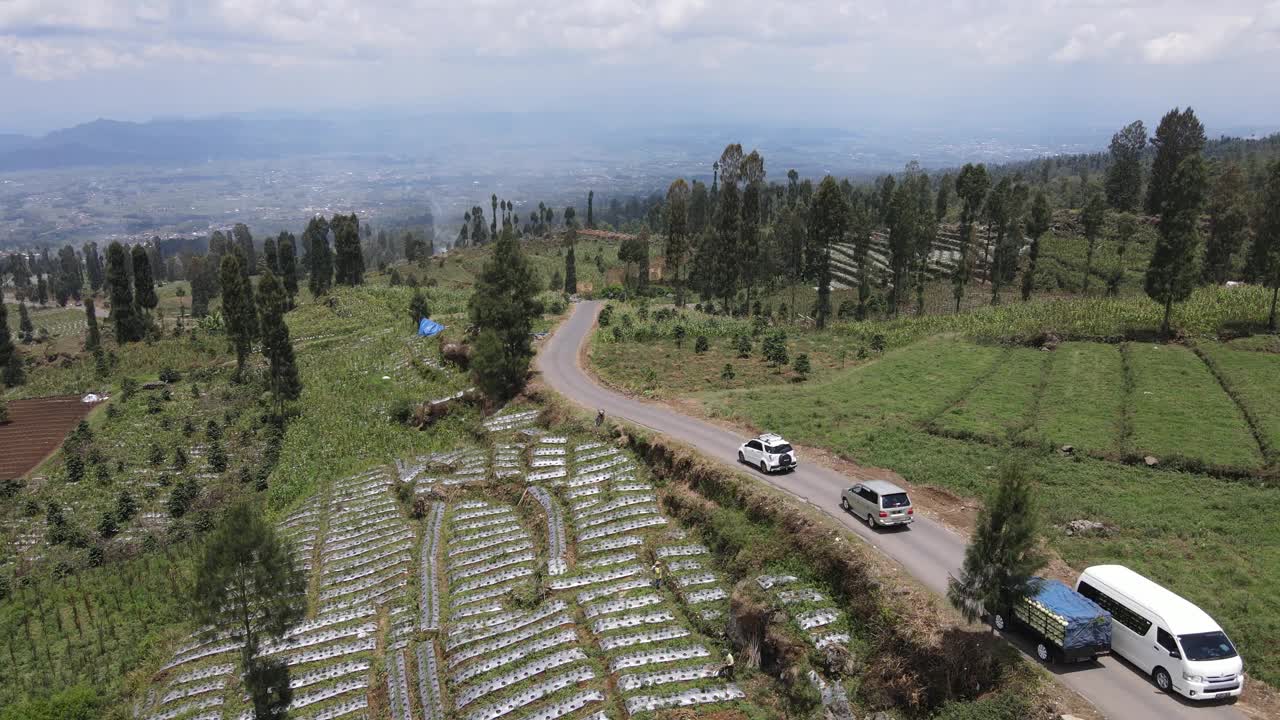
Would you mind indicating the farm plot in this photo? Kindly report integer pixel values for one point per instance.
(1083, 402)
(998, 404)
(1253, 377)
(36, 428)
(531, 595)
(1179, 409)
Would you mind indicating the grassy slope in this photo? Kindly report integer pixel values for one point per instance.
(1253, 377)
(1082, 404)
(1002, 401)
(1180, 409)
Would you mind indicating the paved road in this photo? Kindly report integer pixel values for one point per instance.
(927, 550)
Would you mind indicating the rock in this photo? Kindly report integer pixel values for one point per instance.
(1067, 449)
(1151, 461)
(1086, 527)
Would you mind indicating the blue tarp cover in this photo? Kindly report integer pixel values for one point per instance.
(1087, 624)
(429, 327)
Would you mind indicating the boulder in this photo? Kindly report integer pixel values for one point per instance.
(1151, 461)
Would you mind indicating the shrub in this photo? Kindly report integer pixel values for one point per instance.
(155, 456)
(102, 475)
(107, 527)
(128, 387)
(679, 333)
(217, 457)
(727, 373)
(743, 345)
(74, 466)
(125, 506)
(212, 430)
(701, 345)
(775, 348)
(179, 458)
(758, 324)
(801, 366)
(606, 316)
(169, 376)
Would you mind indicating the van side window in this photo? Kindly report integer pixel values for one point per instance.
(1166, 641)
(1120, 613)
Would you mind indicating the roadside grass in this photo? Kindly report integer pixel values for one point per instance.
(1180, 410)
(1082, 404)
(1255, 378)
(999, 404)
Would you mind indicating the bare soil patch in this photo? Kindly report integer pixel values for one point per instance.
(35, 429)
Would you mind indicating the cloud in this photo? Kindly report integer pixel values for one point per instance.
(46, 61)
(1088, 43)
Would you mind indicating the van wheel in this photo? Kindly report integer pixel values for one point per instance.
(1042, 652)
(1163, 681)
(844, 504)
(998, 621)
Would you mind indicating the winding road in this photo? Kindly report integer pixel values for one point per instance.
(927, 550)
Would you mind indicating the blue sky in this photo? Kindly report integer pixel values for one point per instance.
(979, 63)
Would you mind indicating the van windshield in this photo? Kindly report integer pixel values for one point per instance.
(1207, 646)
(896, 500)
(778, 449)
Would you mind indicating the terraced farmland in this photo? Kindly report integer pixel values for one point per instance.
(526, 591)
(942, 259)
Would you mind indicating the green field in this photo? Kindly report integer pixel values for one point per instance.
(1083, 401)
(1179, 409)
(1003, 400)
(1252, 376)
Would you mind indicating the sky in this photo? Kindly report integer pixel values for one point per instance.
(963, 63)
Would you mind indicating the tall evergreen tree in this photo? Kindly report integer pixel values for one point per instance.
(1124, 175)
(723, 273)
(238, 312)
(676, 213)
(749, 253)
(94, 339)
(1179, 136)
(1264, 256)
(503, 307)
(591, 201)
(11, 372)
(1172, 274)
(26, 329)
(349, 260)
(276, 345)
(144, 286)
(124, 313)
(1093, 218)
(1004, 553)
(93, 265)
(828, 223)
(971, 187)
(1038, 224)
(69, 279)
(247, 583)
(42, 289)
(288, 265)
(571, 264)
(1228, 224)
(270, 256)
(243, 240)
(699, 208)
(316, 242)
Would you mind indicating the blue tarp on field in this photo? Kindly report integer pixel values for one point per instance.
(428, 327)
(1087, 624)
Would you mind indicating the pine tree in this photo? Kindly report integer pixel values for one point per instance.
(238, 309)
(503, 308)
(828, 223)
(94, 339)
(725, 268)
(26, 329)
(1093, 218)
(276, 345)
(677, 220)
(1264, 258)
(1172, 274)
(318, 259)
(247, 583)
(591, 201)
(124, 313)
(1037, 225)
(244, 243)
(1228, 224)
(348, 261)
(288, 265)
(42, 290)
(1003, 553)
(971, 186)
(418, 307)
(93, 266)
(1179, 136)
(144, 287)
(570, 266)
(10, 362)
(1124, 176)
(270, 255)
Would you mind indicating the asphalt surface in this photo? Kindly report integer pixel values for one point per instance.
(927, 550)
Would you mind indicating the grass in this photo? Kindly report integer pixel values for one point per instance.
(1179, 409)
(1000, 402)
(1252, 376)
(1083, 401)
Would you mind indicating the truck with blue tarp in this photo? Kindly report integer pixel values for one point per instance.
(1067, 626)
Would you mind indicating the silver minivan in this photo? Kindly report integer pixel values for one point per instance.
(879, 502)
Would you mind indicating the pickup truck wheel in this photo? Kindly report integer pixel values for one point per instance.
(998, 621)
(844, 504)
(1163, 681)
(764, 468)
(1042, 652)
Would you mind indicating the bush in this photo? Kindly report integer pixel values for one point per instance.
(217, 457)
(401, 411)
(1005, 706)
(107, 527)
(606, 316)
(743, 345)
(727, 373)
(75, 467)
(775, 348)
(169, 376)
(701, 345)
(156, 455)
(801, 366)
(679, 333)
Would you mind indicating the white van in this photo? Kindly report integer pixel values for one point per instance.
(1166, 636)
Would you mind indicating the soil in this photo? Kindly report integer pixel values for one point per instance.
(35, 429)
